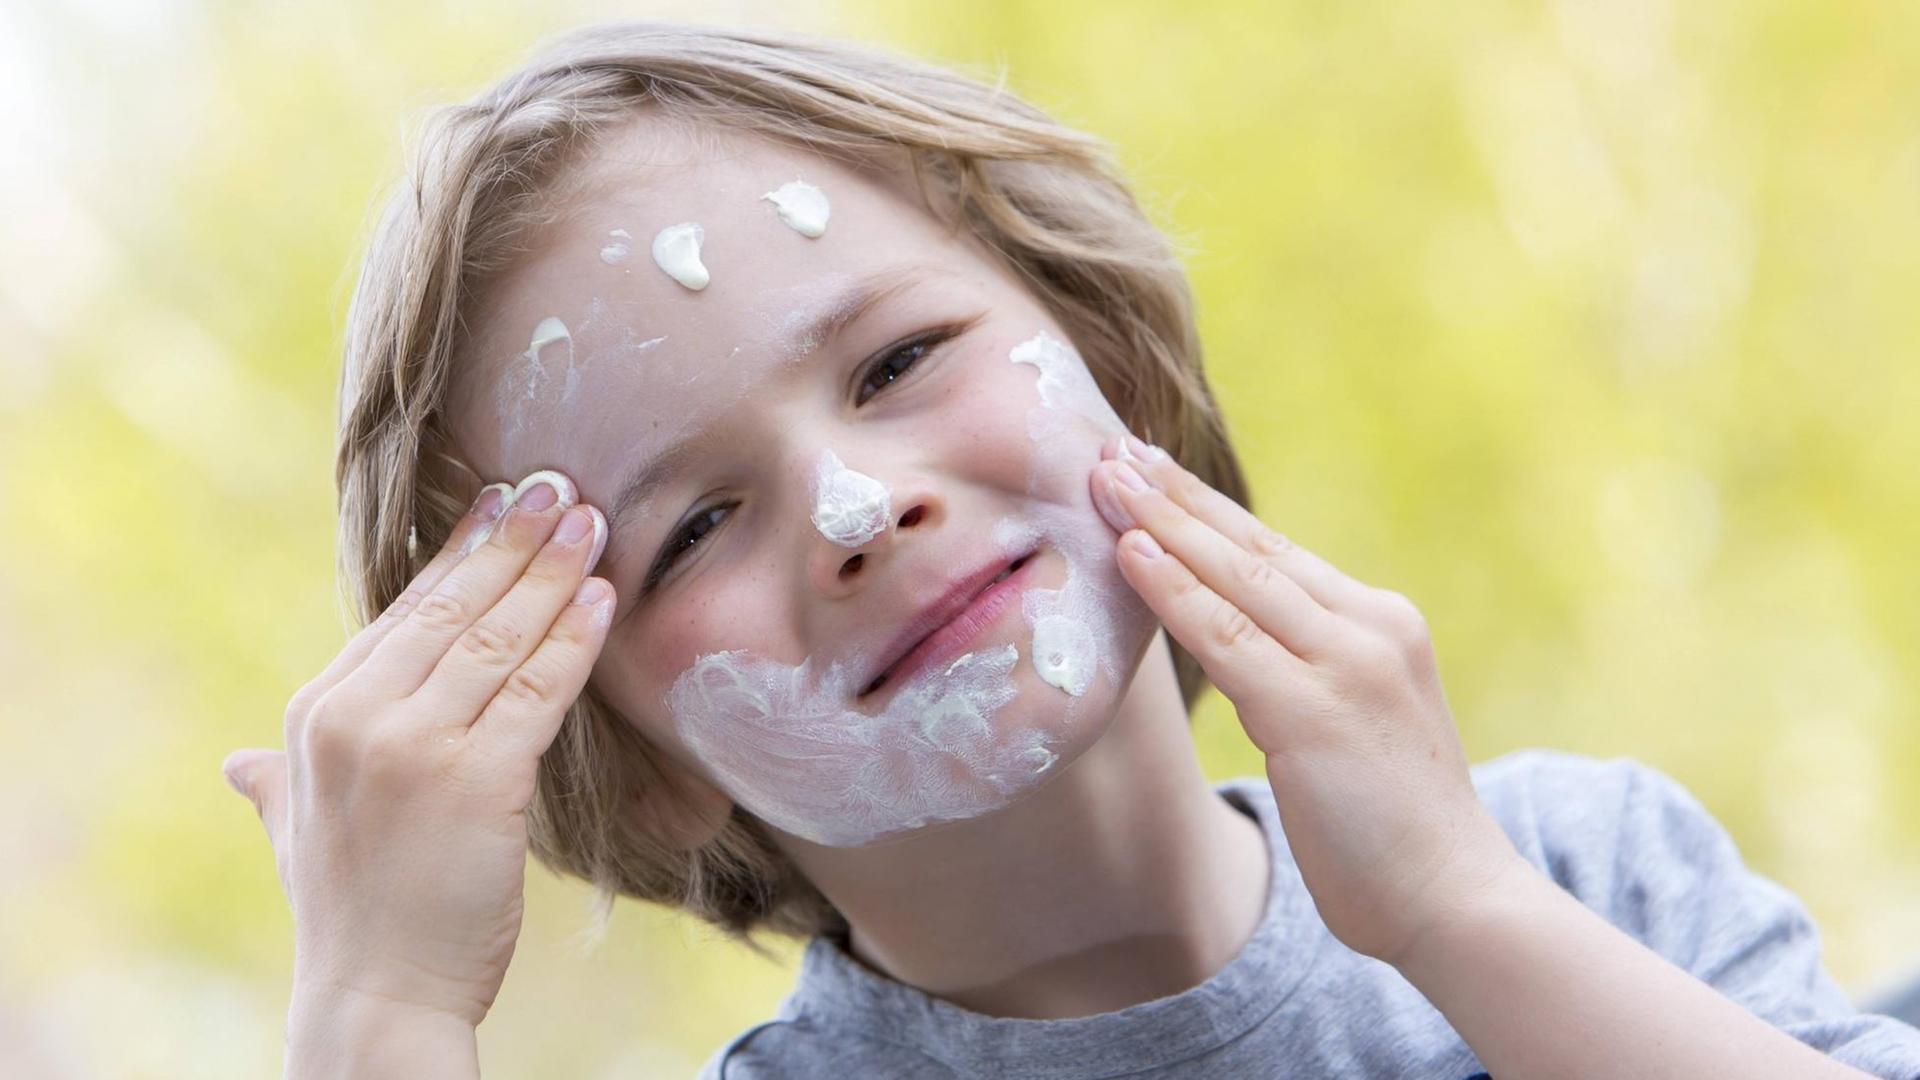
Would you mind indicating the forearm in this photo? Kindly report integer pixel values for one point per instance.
(341, 1035)
(1540, 986)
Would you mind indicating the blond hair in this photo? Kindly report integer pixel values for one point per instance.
(1044, 198)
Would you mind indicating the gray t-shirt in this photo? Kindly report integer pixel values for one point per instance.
(1625, 839)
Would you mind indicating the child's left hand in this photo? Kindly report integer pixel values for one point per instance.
(1335, 682)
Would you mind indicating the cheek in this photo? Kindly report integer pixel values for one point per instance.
(640, 663)
(1032, 429)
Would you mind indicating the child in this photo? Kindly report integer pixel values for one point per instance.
(844, 374)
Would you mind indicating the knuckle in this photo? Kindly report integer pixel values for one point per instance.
(1255, 573)
(403, 604)
(1230, 629)
(492, 644)
(331, 734)
(441, 610)
(1403, 616)
(532, 684)
(299, 706)
(1268, 543)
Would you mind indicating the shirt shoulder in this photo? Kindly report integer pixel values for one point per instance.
(797, 1049)
(1637, 847)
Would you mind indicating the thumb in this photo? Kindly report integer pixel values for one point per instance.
(261, 775)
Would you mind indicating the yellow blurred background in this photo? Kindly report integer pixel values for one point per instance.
(1590, 325)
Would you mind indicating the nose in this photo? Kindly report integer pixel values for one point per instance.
(915, 510)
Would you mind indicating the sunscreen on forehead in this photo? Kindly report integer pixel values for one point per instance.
(676, 250)
(800, 205)
(616, 250)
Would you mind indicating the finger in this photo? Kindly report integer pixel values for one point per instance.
(1237, 655)
(261, 776)
(1329, 586)
(523, 718)
(1252, 584)
(493, 651)
(472, 528)
(401, 663)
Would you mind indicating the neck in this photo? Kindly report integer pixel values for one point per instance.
(1124, 879)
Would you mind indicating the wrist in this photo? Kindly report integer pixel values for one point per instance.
(1506, 893)
(337, 1032)
(1485, 879)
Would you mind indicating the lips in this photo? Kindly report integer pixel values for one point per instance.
(947, 622)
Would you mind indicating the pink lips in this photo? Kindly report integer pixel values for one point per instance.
(946, 627)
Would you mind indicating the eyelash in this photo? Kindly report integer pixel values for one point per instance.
(685, 538)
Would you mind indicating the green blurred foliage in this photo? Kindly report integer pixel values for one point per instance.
(1588, 325)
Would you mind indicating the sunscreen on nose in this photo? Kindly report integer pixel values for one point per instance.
(849, 508)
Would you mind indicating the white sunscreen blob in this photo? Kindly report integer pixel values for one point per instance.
(849, 508)
(801, 205)
(1063, 653)
(545, 333)
(1052, 357)
(616, 251)
(676, 249)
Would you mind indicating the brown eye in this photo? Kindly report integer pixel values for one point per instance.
(897, 362)
(685, 539)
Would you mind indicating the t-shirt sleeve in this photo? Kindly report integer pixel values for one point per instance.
(1634, 845)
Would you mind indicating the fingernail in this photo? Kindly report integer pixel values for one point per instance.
(574, 525)
(543, 489)
(591, 591)
(599, 538)
(1146, 451)
(233, 782)
(1110, 508)
(493, 499)
(1146, 545)
(1128, 475)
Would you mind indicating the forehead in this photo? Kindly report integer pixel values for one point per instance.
(638, 337)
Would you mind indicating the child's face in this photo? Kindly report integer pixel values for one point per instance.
(820, 512)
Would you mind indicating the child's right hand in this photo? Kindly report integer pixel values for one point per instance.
(396, 813)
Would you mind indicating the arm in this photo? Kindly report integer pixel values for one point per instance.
(1540, 985)
(347, 1035)
(1336, 682)
(397, 813)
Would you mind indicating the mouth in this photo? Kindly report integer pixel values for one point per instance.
(945, 627)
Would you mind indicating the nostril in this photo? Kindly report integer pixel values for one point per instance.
(912, 517)
(851, 566)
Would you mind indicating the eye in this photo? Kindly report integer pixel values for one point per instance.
(895, 362)
(685, 539)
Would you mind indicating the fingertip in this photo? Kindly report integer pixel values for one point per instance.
(595, 597)
(592, 591)
(1141, 544)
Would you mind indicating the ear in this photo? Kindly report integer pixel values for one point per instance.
(684, 812)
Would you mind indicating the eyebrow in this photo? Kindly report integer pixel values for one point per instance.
(830, 320)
